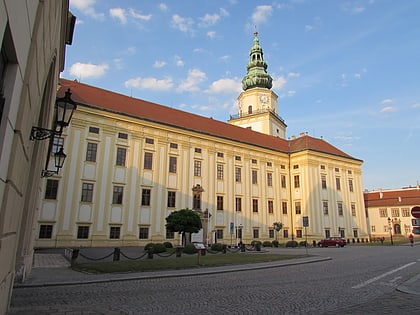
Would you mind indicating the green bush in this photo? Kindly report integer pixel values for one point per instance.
(168, 244)
(155, 247)
(275, 243)
(302, 244)
(148, 246)
(255, 243)
(267, 244)
(216, 247)
(189, 249)
(292, 244)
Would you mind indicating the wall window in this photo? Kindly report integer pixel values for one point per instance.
(114, 232)
(237, 158)
(299, 233)
(353, 209)
(286, 233)
(283, 181)
(373, 228)
(270, 206)
(219, 171)
(395, 212)
(295, 167)
(296, 181)
(271, 233)
(325, 207)
(337, 183)
(148, 160)
(269, 164)
(172, 164)
(58, 143)
(170, 235)
(383, 212)
(340, 208)
(327, 233)
(87, 192)
(405, 212)
(238, 204)
(145, 197)
(173, 145)
(122, 135)
(220, 154)
(254, 161)
(323, 182)
(284, 207)
(197, 168)
(219, 202)
(45, 231)
(51, 189)
(94, 130)
(91, 152)
(256, 233)
(254, 177)
(254, 205)
(143, 233)
(269, 179)
(322, 167)
(150, 141)
(351, 185)
(171, 199)
(83, 232)
(355, 233)
(121, 154)
(197, 150)
(298, 209)
(117, 195)
(219, 234)
(237, 174)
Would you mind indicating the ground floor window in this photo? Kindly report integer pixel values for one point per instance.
(170, 235)
(45, 231)
(219, 234)
(286, 233)
(143, 233)
(256, 233)
(327, 233)
(83, 232)
(114, 232)
(299, 233)
(271, 233)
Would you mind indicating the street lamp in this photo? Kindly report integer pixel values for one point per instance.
(59, 158)
(390, 230)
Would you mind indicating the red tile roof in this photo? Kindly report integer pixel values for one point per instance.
(87, 95)
(392, 198)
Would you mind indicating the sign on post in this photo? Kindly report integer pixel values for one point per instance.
(305, 221)
(232, 227)
(415, 212)
(415, 222)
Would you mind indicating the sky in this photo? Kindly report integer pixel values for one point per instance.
(346, 71)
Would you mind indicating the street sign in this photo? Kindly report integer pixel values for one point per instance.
(305, 221)
(415, 222)
(415, 212)
(416, 230)
(232, 227)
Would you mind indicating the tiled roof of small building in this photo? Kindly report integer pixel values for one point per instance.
(87, 95)
(392, 198)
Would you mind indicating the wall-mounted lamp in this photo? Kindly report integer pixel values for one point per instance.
(64, 108)
(59, 158)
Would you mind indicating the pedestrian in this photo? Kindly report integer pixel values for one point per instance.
(314, 243)
(411, 237)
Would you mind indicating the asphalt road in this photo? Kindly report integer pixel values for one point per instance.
(357, 280)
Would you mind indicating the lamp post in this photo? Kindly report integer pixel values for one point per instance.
(390, 230)
(240, 233)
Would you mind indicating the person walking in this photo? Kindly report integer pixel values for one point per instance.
(411, 238)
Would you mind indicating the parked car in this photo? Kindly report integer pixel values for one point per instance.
(332, 241)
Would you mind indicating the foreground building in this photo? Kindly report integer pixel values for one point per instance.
(131, 163)
(390, 212)
(33, 36)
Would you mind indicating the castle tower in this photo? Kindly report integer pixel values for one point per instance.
(257, 104)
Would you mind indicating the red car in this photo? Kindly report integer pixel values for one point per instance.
(332, 241)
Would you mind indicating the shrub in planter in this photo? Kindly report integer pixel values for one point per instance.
(148, 246)
(168, 244)
(159, 248)
(256, 243)
(275, 243)
(292, 244)
(216, 247)
(267, 244)
(190, 249)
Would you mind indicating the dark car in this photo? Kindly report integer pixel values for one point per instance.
(332, 241)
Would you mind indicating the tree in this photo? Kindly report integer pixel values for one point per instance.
(183, 221)
(277, 226)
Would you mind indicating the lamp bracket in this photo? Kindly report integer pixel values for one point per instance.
(48, 173)
(38, 133)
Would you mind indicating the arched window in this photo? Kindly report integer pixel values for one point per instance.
(250, 109)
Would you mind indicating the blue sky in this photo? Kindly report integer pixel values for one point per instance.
(347, 71)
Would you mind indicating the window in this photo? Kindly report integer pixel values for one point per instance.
(353, 209)
(197, 150)
(219, 202)
(172, 164)
(254, 161)
(322, 167)
(83, 232)
(373, 228)
(337, 183)
(325, 207)
(254, 205)
(122, 135)
(383, 212)
(254, 177)
(114, 232)
(91, 152)
(355, 233)
(237, 174)
(143, 233)
(283, 167)
(283, 181)
(150, 141)
(45, 231)
(237, 158)
(286, 233)
(295, 167)
(94, 130)
(148, 160)
(220, 154)
(121, 153)
(298, 209)
(238, 204)
(299, 233)
(323, 182)
(271, 233)
(351, 185)
(337, 169)
(51, 189)
(249, 109)
(197, 168)
(340, 208)
(219, 234)
(284, 207)
(327, 233)
(87, 192)
(256, 233)
(173, 145)
(171, 199)
(219, 171)
(170, 235)
(270, 206)
(269, 164)
(296, 181)
(58, 143)
(117, 195)
(269, 179)
(405, 212)
(145, 197)
(395, 212)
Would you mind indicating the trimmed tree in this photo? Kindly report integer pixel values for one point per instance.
(184, 221)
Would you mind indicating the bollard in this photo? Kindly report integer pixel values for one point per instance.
(224, 249)
(243, 248)
(117, 252)
(74, 255)
(178, 251)
(150, 253)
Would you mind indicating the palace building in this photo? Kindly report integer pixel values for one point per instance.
(130, 163)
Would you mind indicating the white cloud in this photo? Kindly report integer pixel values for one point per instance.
(159, 64)
(150, 83)
(194, 78)
(291, 93)
(163, 7)
(261, 14)
(279, 82)
(139, 16)
(211, 34)
(225, 86)
(209, 19)
(387, 101)
(119, 14)
(225, 58)
(182, 24)
(88, 70)
(388, 109)
(86, 7)
(178, 61)
(293, 75)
